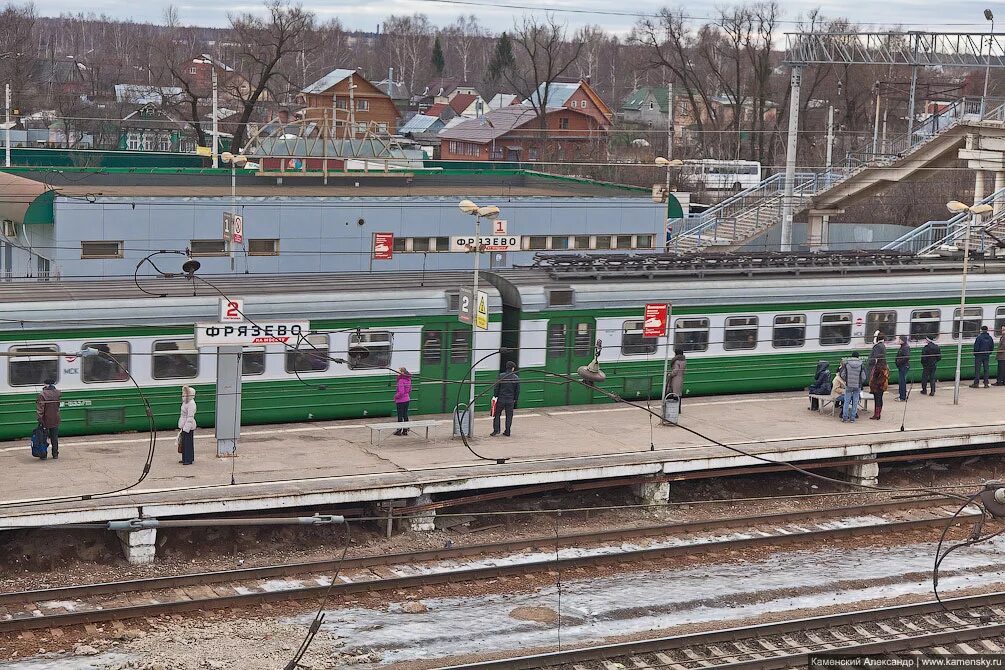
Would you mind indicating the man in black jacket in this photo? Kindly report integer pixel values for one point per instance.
(983, 346)
(931, 354)
(507, 393)
(903, 362)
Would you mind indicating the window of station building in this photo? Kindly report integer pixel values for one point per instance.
(925, 323)
(581, 242)
(175, 359)
(691, 334)
(835, 328)
(789, 331)
(443, 244)
(310, 355)
(33, 369)
(378, 345)
(399, 244)
(643, 241)
(263, 247)
(208, 247)
(603, 242)
(740, 333)
(884, 321)
(110, 364)
(632, 341)
(537, 242)
(432, 344)
(460, 346)
(973, 318)
(253, 361)
(420, 244)
(623, 241)
(560, 242)
(103, 249)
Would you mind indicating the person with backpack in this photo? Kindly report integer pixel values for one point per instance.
(507, 393)
(903, 363)
(47, 413)
(983, 346)
(853, 374)
(931, 354)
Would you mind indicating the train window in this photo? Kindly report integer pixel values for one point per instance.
(632, 341)
(691, 334)
(432, 342)
(581, 242)
(377, 343)
(835, 328)
(560, 242)
(582, 341)
(741, 333)
(556, 340)
(790, 331)
(253, 361)
(34, 369)
(643, 241)
(885, 322)
(208, 247)
(999, 319)
(537, 242)
(972, 321)
(925, 323)
(460, 346)
(603, 242)
(310, 355)
(175, 359)
(99, 368)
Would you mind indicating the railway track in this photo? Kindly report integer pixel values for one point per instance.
(110, 601)
(968, 625)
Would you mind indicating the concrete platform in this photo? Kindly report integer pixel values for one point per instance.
(284, 466)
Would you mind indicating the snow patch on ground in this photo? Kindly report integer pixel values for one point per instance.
(99, 662)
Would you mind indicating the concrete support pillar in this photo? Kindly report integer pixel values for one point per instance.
(652, 493)
(979, 191)
(139, 546)
(420, 521)
(816, 229)
(864, 473)
(999, 202)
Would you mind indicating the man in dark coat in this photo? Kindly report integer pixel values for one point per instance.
(47, 413)
(903, 362)
(931, 354)
(983, 346)
(821, 383)
(507, 393)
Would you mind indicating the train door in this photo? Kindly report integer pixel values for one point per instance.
(570, 342)
(446, 359)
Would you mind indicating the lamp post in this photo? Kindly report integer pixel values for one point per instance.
(987, 68)
(975, 212)
(489, 212)
(668, 164)
(235, 161)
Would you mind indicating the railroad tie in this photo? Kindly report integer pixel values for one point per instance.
(891, 630)
(695, 656)
(611, 665)
(866, 634)
(955, 619)
(966, 648)
(722, 654)
(819, 641)
(667, 661)
(942, 651)
(745, 650)
(640, 662)
(991, 646)
(910, 625)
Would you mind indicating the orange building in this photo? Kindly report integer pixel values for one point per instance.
(577, 95)
(349, 105)
(514, 134)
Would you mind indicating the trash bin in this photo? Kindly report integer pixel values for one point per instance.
(671, 408)
(463, 417)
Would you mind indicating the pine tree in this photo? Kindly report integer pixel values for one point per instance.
(438, 61)
(502, 59)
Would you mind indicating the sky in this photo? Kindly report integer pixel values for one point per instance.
(959, 16)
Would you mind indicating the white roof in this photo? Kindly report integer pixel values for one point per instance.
(501, 100)
(419, 123)
(142, 94)
(329, 80)
(558, 93)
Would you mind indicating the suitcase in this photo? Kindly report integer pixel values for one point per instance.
(40, 443)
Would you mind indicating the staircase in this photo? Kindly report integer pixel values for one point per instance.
(933, 236)
(745, 215)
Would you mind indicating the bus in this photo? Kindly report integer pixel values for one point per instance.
(714, 175)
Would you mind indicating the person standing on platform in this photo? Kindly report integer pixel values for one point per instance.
(878, 351)
(1000, 358)
(853, 374)
(983, 346)
(931, 354)
(878, 384)
(402, 396)
(675, 378)
(187, 425)
(507, 393)
(47, 413)
(903, 362)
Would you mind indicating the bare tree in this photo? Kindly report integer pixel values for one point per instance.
(410, 42)
(265, 47)
(174, 53)
(17, 41)
(463, 36)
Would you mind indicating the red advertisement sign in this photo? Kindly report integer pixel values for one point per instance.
(383, 246)
(655, 320)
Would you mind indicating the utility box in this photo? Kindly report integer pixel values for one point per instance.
(671, 408)
(462, 417)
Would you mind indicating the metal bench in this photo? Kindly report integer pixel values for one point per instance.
(828, 400)
(823, 401)
(379, 428)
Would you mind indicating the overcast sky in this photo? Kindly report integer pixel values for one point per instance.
(957, 16)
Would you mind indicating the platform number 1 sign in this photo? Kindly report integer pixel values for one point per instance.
(231, 309)
(499, 227)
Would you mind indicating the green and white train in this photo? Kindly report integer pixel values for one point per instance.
(745, 328)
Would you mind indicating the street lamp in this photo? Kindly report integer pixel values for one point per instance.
(987, 69)
(668, 164)
(235, 161)
(489, 212)
(975, 211)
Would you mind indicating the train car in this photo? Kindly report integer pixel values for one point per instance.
(401, 319)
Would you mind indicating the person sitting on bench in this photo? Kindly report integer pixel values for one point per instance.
(821, 384)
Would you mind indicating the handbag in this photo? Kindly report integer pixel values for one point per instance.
(177, 441)
(495, 400)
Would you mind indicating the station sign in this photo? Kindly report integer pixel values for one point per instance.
(499, 227)
(233, 227)
(654, 320)
(482, 315)
(465, 306)
(232, 309)
(486, 242)
(383, 246)
(249, 334)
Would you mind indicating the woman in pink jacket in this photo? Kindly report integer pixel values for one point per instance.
(402, 396)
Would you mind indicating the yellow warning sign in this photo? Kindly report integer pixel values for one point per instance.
(482, 315)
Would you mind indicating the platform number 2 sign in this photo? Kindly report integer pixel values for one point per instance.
(231, 309)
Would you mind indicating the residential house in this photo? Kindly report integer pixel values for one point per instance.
(503, 100)
(579, 96)
(230, 84)
(150, 128)
(647, 106)
(514, 133)
(467, 105)
(348, 105)
(397, 92)
(60, 77)
(447, 90)
(141, 94)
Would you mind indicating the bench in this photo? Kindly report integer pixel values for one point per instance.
(379, 428)
(828, 400)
